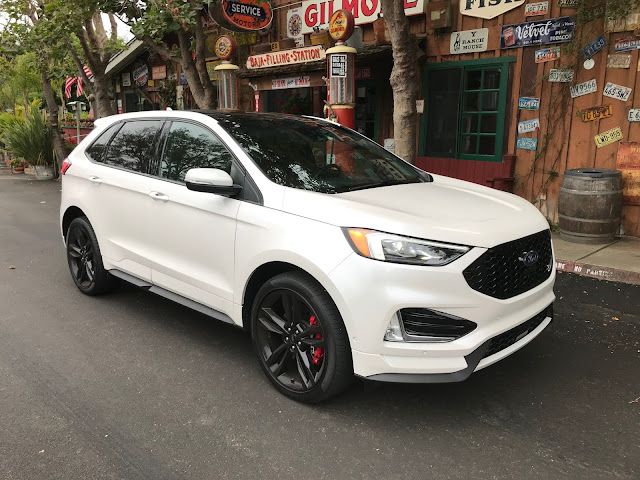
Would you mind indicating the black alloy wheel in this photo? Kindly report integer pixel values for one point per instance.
(300, 339)
(85, 260)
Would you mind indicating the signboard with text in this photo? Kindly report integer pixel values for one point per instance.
(293, 82)
(596, 113)
(608, 137)
(528, 103)
(489, 9)
(287, 57)
(535, 9)
(540, 32)
(619, 92)
(317, 13)
(338, 65)
(584, 88)
(469, 41)
(529, 126)
(527, 143)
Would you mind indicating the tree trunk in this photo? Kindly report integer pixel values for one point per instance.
(100, 87)
(404, 80)
(56, 137)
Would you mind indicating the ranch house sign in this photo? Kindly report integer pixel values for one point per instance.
(488, 8)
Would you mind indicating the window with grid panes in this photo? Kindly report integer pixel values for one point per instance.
(465, 109)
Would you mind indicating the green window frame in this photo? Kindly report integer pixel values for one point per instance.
(480, 108)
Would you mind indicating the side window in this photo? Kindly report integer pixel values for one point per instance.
(191, 146)
(97, 148)
(134, 146)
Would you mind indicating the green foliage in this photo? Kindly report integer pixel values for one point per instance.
(30, 139)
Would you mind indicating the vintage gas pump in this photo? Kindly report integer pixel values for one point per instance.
(341, 69)
(227, 73)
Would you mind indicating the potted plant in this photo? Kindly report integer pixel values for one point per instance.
(30, 140)
(16, 164)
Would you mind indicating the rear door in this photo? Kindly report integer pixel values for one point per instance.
(193, 251)
(122, 185)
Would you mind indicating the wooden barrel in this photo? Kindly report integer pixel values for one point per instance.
(590, 205)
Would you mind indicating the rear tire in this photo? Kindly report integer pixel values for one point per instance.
(300, 338)
(85, 260)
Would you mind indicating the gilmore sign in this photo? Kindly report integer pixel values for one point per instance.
(488, 8)
(317, 13)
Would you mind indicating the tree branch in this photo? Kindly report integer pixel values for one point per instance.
(160, 48)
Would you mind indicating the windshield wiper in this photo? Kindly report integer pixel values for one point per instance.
(385, 183)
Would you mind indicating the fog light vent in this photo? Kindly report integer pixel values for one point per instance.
(423, 325)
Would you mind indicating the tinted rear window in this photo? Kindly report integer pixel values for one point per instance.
(97, 149)
(135, 146)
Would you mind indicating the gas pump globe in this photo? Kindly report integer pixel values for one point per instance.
(227, 73)
(341, 69)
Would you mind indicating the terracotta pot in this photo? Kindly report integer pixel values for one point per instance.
(18, 169)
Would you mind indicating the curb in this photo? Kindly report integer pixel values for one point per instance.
(599, 272)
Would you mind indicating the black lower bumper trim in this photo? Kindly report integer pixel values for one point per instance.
(473, 359)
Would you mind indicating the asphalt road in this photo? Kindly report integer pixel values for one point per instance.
(132, 386)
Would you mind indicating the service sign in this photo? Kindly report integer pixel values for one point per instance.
(535, 9)
(547, 54)
(626, 44)
(618, 92)
(528, 103)
(317, 13)
(608, 137)
(488, 9)
(529, 126)
(620, 60)
(247, 14)
(527, 143)
(584, 88)
(540, 32)
(634, 115)
(286, 57)
(293, 82)
(596, 113)
(594, 47)
(560, 75)
(469, 41)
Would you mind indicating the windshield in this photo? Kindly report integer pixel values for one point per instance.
(309, 154)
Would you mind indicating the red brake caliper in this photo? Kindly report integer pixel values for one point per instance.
(318, 353)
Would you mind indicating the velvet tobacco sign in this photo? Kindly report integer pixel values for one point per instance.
(553, 30)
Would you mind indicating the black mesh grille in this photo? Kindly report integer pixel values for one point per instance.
(501, 273)
(510, 337)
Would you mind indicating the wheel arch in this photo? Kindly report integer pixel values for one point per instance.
(69, 216)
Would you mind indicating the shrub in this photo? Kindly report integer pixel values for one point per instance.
(30, 139)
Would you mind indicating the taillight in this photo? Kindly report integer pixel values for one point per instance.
(65, 166)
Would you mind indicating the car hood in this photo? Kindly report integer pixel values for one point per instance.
(445, 210)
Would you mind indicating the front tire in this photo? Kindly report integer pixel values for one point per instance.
(300, 338)
(85, 260)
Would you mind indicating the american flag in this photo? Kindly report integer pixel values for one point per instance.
(67, 86)
(79, 89)
(87, 72)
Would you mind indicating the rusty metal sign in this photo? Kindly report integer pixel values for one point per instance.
(628, 162)
(596, 113)
(607, 138)
(619, 60)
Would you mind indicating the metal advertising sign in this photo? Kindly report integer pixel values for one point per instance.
(535, 9)
(560, 75)
(529, 126)
(487, 10)
(159, 73)
(608, 137)
(126, 79)
(618, 92)
(628, 162)
(317, 13)
(247, 14)
(634, 115)
(594, 47)
(528, 103)
(626, 44)
(620, 60)
(339, 65)
(596, 113)
(286, 57)
(341, 25)
(225, 47)
(554, 30)
(547, 54)
(294, 26)
(527, 143)
(141, 75)
(583, 88)
(469, 41)
(293, 82)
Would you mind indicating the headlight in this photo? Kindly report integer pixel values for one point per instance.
(396, 249)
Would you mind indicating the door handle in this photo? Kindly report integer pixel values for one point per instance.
(94, 179)
(159, 196)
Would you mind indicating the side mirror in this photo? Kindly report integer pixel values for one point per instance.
(211, 180)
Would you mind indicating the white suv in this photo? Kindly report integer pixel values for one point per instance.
(337, 256)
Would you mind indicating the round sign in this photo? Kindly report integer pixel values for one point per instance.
(225, 47)
(247, 14)
(341, 25)
(589, 63)
(141, 75)
(294, 25)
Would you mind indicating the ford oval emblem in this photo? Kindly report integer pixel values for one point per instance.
(529, 258)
